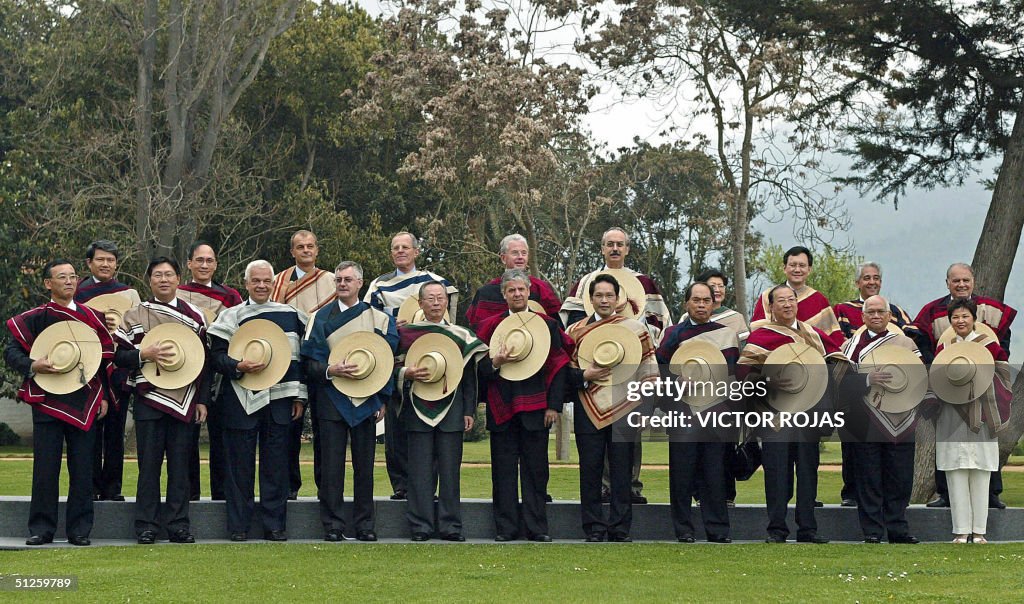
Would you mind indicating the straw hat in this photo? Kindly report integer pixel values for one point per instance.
(374, 359)
(525, 335)
(805, 368)
(962, 372)
(949, 335)
(264, 342)
(536, 307)
(75, 351)
(111, 304)
(410, 311)
(628, 285)
(187, 360)
(909, 378)
(442, 358)
(611, 345)
(700, 361)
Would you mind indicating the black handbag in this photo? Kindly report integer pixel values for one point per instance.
(745, 459)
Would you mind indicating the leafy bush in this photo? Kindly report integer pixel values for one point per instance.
(8, 436)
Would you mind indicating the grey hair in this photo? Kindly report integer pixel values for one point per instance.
(874, 265)
(969, 268)
(503, 246)
(514, 274)
(619, 229)
(358, 270)
(258, 264)
(415, 241)
(301, 233)
(880, 297)
(419, 292)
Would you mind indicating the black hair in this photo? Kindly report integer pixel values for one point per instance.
(48, 269)
(689, 290)
(163, 260)
(195, 246)
(604, 278)
(104, 245)
(965, 303)
(712, 272)
(796, 250)
(771, 292)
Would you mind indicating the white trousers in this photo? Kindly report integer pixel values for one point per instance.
(968, 500)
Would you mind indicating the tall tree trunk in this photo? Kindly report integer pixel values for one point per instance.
(924, 462)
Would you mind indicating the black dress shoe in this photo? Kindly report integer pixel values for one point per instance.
(818, 504)
(146, 538)
(38, 540)
(194, 498)
(420, 537)
(293, 495)
(686, 539)
(620, 538)
(453, 537)
(548, 498)
(399, 495)
(729, 503)
(775, 539)
(811, 539)
(907, 539)
(504, 538)
(118, 497)
(182, 536)
(595, 537)
(366, 535)
(79, 540)
(938, 502)
(333, 535)
(996, 503)
(239, 536)
(848, 503)
(719, 539)
(540, 538)
(872, 539)
(637, 499)
(97, 497)
(275, 535)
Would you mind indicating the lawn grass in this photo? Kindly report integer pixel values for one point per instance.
(529, 573)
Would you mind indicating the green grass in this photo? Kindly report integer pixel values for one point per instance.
(529, 573)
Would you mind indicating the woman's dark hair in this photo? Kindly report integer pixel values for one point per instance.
(966, 303)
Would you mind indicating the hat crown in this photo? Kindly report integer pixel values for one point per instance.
(961, 370)
(65, 356)
(696, 369)
(899, 380)
(609, 353)
(796, 373)
(258, 351)
(435, 365)
(176, 358)
(364, 361)
(518, 343)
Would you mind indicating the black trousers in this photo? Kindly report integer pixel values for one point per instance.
(48, 438)
(636, 485)
(995, 484)
(334, 438)
(240, 478)
(850, 490)
(158, 438)
(688, 461)
(519, 457)
(294, 448)
(885, 479)
(194, 466)
(779, 460)
(593, 449)
(396, 448)
(218, 454)
(108, 451)
(434, 461)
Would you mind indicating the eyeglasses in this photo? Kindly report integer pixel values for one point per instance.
(63, 277)
(875, 313)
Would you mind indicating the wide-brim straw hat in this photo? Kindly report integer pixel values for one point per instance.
(374, 358)
(628, 285)
(526, 336)
(962, 372)
(261, 341)
(805, 368)
(700, 361)
(111, 304)
(441, 356)
(410, 311)
(187, 360)
(909, 378)
(614, 346)
(949, 336)
(74, 350)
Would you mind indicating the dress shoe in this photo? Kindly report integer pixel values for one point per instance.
(194, 498)
(218, 498)
(719, 539)
(420, 537)
(453, 537)
(504, 538)
(182, 536)
(938, 502)
(637, 499)
(293, 495)
(595, 537)
(240, 536)
(79, 540)
(540, 538)
(118, 497)
(548, 498)
(775, 539)
(38, 540)
(818, 504)
(97, 497)
(333, 535)
(811, 539)
(620, 538)
(848, 503)
(366, 535)
(146, 538)
(995, 503)
(686, 539)
(399, 495)
(275, 536)
(872, 539)
(729, 503)
(907, 539)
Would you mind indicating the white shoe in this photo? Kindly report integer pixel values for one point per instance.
(980, 539)
(960, 539)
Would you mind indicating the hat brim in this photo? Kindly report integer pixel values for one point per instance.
(280, 355)
(949, 336)
(985, 370)
(887, 357)
(700, 349)
(191, 348)
(384, 364)
(115, 304)
(534, 324)
(89, 347)
(632, 351)
(813, 389)
(446, 347)
(628, 285)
